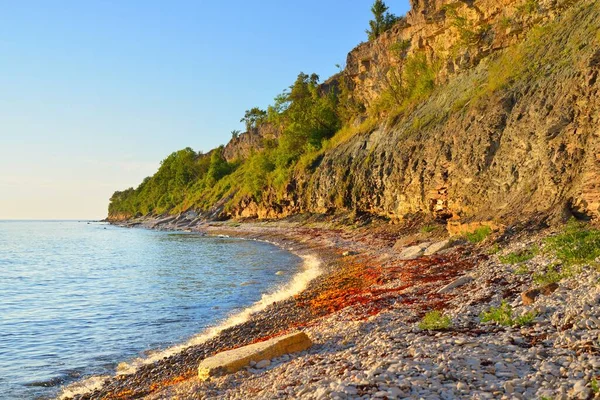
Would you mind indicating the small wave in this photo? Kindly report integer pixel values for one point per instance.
(310, 270)
(82, 387)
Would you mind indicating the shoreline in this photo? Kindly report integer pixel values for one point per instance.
(364, 312)
(81, 390)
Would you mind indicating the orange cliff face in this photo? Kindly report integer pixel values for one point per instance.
(510, 130)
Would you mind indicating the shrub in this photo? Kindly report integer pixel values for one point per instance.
(519, 256)
(435, 321)
(503, 315)
(479, 235)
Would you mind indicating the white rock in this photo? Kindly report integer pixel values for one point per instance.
(263, 364)
(463, 280)
(437, 247)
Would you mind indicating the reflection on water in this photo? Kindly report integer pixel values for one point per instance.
(77, 299)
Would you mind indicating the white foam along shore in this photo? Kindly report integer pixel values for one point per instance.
(310, 269)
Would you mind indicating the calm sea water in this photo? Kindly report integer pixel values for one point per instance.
(77, 298)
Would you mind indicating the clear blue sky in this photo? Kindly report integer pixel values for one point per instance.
(93, 94)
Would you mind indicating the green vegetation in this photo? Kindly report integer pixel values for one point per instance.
(306, 115)
(554, 274)
(479, 235)
(577, 244)
(595, 386)
(469, 34)
(400, 48)
(428, 228)
(503, 315)
(519, 256)
(383, 20)
(495, 249)
(529, 7)
(407, 85)
(254, 117)
(435, 321)
(521, 270)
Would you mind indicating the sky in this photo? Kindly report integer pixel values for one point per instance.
(93, 94)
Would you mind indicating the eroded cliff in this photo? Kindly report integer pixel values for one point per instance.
(510, 129)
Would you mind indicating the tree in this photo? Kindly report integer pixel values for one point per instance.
(254, 117)
(383, 20)
(235, 134)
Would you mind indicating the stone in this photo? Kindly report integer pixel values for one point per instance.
(233, 360)
(528, 297)
(463, 280)
(437, 247)
(263, 364)
(549, 289)
(412, 252)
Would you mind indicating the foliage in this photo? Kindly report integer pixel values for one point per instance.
(428, 228)
(412, 82)
(383, 20)
(529, 7)
(595, 386)
(435, 321)
(178, 174)
(578, 243)
(518, 257)
(469, 34)
(400, 48)
(235, 134)
(503, 315)
(306, 115)
(495, 249)
(521, 270)
(479, 235)
(254, 117)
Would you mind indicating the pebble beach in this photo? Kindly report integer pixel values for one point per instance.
(365, 312)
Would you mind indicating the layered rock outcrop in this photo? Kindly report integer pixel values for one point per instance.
(477, 148)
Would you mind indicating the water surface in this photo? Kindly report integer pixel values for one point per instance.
(77, 298)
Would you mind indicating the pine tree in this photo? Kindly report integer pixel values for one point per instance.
(383, 19)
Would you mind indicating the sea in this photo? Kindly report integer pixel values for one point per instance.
(84, 299)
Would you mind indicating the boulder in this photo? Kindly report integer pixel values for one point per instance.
(412, 252)
(437, 247)
(232, 361)
(528, 297)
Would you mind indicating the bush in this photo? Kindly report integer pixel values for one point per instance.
(503, 315)
(435, 321)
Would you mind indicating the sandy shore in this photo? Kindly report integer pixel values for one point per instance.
(363, 315)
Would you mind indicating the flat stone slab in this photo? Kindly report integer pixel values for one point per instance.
(437, 247)
(232, 361)
(463, 280)
(412, 252)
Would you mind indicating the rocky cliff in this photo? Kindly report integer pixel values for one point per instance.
(529, 145)
(510, 129)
